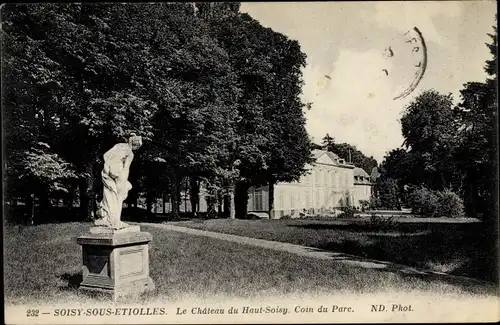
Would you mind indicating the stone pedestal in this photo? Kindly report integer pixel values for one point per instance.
(116, 261)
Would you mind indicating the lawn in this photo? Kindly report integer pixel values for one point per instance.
(42, 265)
(461, 248)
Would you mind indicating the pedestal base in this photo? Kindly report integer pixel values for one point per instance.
(116, 262)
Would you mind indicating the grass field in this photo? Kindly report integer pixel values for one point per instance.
(455, 248)
(42, 264)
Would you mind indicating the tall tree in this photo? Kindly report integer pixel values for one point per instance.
(476, 155)
(396, 171)
(328, 142)
(32, 117)
(429, 130)
(388, 193)
(272, 142)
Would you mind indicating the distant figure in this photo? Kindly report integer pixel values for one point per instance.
(115, 181)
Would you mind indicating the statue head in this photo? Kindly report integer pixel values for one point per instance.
(135, 141)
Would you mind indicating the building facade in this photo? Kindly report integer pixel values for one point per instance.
(329, 183)
(362, 186)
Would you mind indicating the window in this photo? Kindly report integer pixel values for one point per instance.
(258, 200)
(317, 177)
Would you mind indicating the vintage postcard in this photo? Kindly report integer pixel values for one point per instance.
(234, 162)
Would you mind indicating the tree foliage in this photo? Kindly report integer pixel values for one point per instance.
(452, 148)
(214, 94)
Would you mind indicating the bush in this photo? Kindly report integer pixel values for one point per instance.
(374, 203)
(347, 212)
(423, 201)
(431, 203)
(380, 223)
(365, 204)
(450, 205)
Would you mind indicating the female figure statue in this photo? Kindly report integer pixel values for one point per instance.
(115, 173)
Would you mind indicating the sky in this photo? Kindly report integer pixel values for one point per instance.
(345, 44)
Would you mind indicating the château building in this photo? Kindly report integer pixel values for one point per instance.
(330, 182)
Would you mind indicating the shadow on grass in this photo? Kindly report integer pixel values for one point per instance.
(456, 249)
(142, 215)
(73, 280)
(17, 215)
(425, 252)
(417, 273)
(366, 227)
(73, 283)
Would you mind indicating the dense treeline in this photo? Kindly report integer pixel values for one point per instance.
(448, 147)
(214, 94)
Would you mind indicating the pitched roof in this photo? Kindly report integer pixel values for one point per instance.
(332, 155)
(360, 172)
(317, 153)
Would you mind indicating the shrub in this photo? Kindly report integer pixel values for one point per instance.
(347, 212)
(387, 190)
(423, 201)
(431, 203)
(374, 203)
(380, 223)
(365, 204)
(450, 205)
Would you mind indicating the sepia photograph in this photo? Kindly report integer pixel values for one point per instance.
(250, 162)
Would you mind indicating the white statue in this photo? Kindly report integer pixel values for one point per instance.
(115, 180)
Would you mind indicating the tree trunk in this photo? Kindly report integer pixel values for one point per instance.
(271, 199)
(30, 209)
(220, 200)
(185, 191)
(84, 198)
(164, 197)
(44, 198)
(87, 191)
(241, 199)
(230, 201)
(44, 205)
(194, 194)
(133, 196)
(149, 202)
(69, 199)
(212, 205)
(175, 196)
(226, 205)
